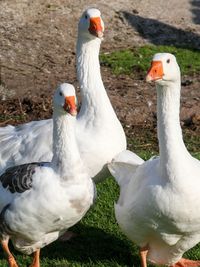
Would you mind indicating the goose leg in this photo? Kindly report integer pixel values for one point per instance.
(186, 263)
(36, 259)
(143, 256)
(10, 257)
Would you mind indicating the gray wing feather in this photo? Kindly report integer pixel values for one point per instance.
(19, 178)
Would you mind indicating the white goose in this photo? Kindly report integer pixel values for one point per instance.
(99, 133)
(39, 201)
(159, 200)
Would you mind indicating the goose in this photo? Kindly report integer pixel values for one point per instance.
(99, 133)
(40, 200)
(158, 207)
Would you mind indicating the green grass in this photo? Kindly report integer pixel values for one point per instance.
(138, 59)
(99, 241)
(17, 117)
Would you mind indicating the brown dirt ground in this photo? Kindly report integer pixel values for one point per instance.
(37, 51)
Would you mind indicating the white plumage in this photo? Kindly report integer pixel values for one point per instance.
(159, 207)
(39, 201)
(99, 133)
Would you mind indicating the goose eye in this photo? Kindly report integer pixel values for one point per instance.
(168, 61)
(60, 94)
(86, 16)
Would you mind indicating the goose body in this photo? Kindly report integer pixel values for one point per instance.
(99, 133)
(160, 207)
(39, 201)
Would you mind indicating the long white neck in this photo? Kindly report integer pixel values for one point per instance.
(95, 103)
(171, 145)
(66, 155)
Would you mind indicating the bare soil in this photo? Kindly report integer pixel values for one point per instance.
(37, 51)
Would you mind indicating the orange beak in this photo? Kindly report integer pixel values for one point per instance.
(96, 28)
(70, 105)
(155, 72)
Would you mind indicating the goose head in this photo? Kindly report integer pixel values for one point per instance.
(164, 69)
(91, 25)
(64, 100)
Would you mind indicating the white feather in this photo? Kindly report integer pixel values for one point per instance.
(61, 191)
(159, 206)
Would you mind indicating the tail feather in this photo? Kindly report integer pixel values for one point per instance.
(123, 166)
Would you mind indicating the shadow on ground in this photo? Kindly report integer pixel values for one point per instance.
(196, 11)
(91, 245)
(160, 33)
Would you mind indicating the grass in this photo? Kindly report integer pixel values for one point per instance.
(138, 59)
(16, 117)
(99, 241)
